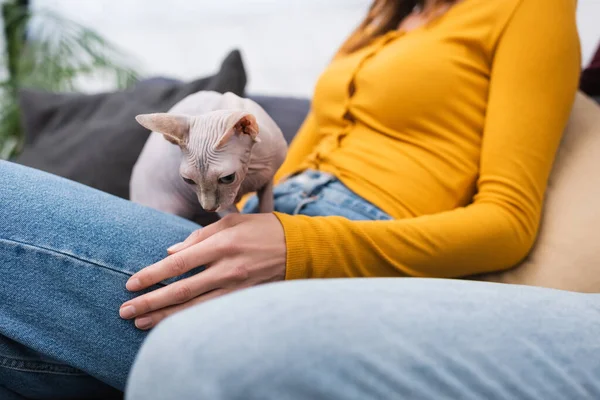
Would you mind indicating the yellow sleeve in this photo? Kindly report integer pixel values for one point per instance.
(301, 146)
(533, 84)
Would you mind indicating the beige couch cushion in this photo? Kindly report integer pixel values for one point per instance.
(567, 252)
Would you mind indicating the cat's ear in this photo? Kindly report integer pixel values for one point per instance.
(175, 128)
(240, 123)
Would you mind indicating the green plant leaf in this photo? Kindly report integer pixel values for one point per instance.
(58, 55)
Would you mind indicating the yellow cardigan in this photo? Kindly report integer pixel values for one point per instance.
(453, 132)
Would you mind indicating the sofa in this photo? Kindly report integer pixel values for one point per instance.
(565, 256)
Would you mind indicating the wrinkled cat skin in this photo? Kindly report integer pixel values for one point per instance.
(205, 153)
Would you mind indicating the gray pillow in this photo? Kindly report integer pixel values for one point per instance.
(94, 139)
(287, 112)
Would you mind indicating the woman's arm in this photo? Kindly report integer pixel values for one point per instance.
(534, 79)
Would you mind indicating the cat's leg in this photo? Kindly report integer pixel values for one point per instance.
(265, 198)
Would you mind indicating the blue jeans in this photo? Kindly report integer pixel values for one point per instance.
(66, 252)
(364, 339)
(317, 193)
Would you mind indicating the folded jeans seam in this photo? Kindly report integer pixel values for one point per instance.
(54, 251)
(47, 367)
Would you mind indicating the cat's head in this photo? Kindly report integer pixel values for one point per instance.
(215, 147)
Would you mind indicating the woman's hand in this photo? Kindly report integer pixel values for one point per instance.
(238, 251)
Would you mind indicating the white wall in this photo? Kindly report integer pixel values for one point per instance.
(588, 21)
(285, 43)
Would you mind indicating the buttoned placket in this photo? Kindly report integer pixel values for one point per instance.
(333, 141)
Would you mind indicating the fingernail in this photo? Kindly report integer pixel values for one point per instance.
(175, 247)
(143, 323)
(133, 284)
(127, 312)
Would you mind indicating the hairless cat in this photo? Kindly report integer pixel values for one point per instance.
(218, 147)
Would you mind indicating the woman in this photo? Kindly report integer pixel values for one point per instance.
(426, 154)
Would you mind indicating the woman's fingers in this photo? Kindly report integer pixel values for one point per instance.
(151, 319)
(195, 237)
(203, 233)
(205, 252)
(176, 293)
(236, 255)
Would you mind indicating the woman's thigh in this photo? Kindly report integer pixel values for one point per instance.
(377, 339)
(66, 251)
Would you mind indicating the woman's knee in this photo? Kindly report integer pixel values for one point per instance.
(244, 346)
(44, 210)
(365, 339)
(301, 337)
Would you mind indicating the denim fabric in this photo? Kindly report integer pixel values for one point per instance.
(317, 193)
(66, 252)
(367, 339)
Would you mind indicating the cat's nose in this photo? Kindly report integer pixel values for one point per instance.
(208, 202)
(209, 206)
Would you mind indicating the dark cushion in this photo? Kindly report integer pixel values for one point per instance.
(94, 139)
(590, 77)
(287, 112)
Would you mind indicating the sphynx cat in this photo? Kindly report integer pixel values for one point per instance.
(205, 153)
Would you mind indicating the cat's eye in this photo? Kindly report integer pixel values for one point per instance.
(188, 181)
(226, 180)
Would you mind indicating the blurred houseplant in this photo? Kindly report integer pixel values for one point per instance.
(43, 50)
